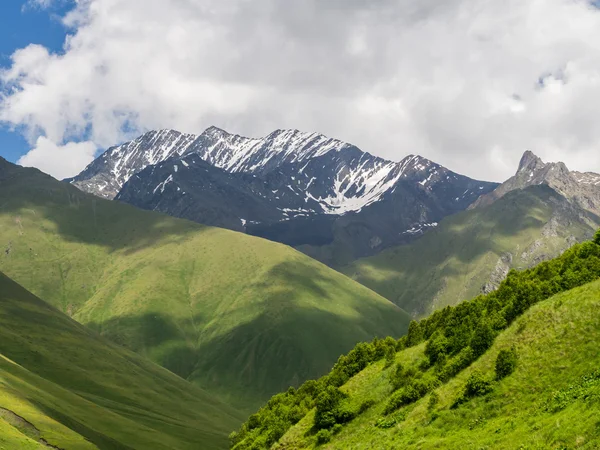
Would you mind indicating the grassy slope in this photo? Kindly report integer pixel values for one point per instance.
(453, 262)
(241, 316)
(556, 341)
(63, 383)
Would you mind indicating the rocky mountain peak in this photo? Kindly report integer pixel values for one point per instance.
(575, 186)
(530, 162)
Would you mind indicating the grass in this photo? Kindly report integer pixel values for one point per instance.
(237, 315)
(64, 384)
(453, 262)
(556, 341)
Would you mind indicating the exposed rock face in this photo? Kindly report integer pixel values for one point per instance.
(581, 188)
(499, 273)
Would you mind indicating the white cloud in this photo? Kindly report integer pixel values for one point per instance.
(60, 161)
(468, 83)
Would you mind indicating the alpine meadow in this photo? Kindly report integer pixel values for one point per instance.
(307, 225)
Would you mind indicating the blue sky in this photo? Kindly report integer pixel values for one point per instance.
(20, 25)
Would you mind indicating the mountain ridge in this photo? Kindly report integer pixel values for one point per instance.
(363, 179)
(325, 197)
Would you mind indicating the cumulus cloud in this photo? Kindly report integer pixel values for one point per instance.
(468, 83)
(60, 161)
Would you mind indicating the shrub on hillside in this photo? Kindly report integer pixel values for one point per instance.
(457, 363)
(483, 338)
(402, 376)
(327, 404)
(597, 238)
(413, 391)
(390, 356)
(506, 362)
(437, 347)
(323, 437)
(434, 399)
(415, 333)
(477, 386)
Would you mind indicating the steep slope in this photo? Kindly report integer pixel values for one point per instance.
(240, 316)
(550, 401)
(518, 366)
(191, 188)
(65, 386)
(471, 252)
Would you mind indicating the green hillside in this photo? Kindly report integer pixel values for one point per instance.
(517, 368)
(545, 404)
(62, 384)
(471, 249)
(240, 316)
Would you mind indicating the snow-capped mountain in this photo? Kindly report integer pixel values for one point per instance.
(106, 175)
(336, 175)
(303, 189)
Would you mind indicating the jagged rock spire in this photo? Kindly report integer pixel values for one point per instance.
(530, 162)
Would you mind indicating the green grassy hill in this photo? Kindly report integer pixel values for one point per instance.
(237, 315)
(63, 385)
(455, 261)
(517, 368)
(545, 404)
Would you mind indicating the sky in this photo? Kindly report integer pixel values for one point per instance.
(470, 84)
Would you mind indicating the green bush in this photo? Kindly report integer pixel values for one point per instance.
(437, 347)
(323, 436)
(343, 414)
(457, 363)
(390, 356)
(477, 385)
(336, 428)
(327, 407)
(415, 333)
(597, 238)
(412, 392)
(483, 338)
(402, 376)
(392, 420)
(506, 362)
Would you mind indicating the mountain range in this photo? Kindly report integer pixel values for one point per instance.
(323, 196)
